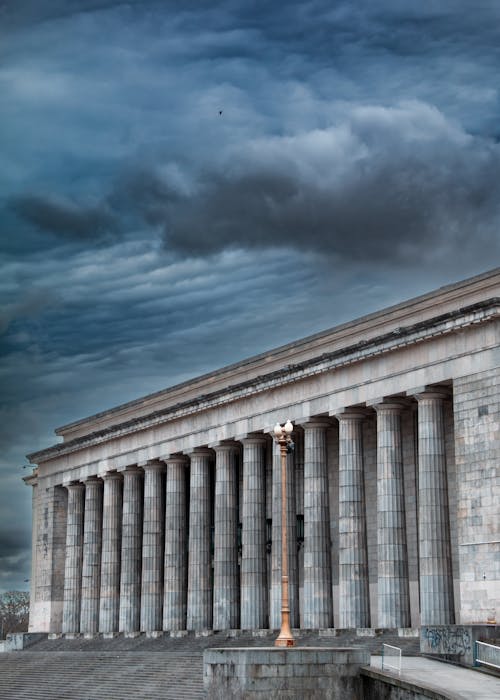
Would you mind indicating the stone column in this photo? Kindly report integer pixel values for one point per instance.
(226, 611)
(393, 583)
(74, 554)
(318, 605)
(175, 593)
(436, 582)
(354, 601)
(92, 542)
(131, 555)
(254, 555)
(111, 550)
(153, 547)
(199, 602)
(293, 588)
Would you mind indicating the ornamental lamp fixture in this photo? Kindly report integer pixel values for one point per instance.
(283, 436)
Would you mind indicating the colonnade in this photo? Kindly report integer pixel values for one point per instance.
(182, 543)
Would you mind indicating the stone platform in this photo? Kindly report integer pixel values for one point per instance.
(315, 673)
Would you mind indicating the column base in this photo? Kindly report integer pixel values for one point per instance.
(203, 633)
(177, 634)
(154, 634)
(366, 632)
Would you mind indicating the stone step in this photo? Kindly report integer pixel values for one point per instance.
(103, 676)
(192, 643)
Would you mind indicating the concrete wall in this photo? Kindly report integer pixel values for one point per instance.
(378, 687)
(270, 673)
(457, 642)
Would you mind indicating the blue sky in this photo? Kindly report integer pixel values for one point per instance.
(187, 184)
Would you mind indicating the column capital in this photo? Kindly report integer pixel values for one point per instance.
(94, 479)
(153, 465)
(320, 422)
(255, 439)
(199, 452)
(352, 414)
(110, 476)
(133, 469)
(181, 460)
(429, 392)
(74, 485)
(226, 446)
(388, 405)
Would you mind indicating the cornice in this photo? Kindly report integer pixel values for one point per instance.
(444, 299)
(443, 324)
(31, 479)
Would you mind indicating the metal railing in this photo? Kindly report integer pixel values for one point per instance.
(487, 654)
(391, 658)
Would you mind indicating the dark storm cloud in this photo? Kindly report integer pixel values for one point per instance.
(15, 567)
(15, 533)
(11, 541)
(29, 304)
(63, 218)
(388, 184)
(142, 195)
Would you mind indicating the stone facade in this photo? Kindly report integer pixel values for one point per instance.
(163, 513)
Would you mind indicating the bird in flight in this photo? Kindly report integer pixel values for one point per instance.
(220, 112)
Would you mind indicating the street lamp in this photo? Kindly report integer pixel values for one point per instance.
(283, 436)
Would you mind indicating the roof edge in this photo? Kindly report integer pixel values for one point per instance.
(412, 301)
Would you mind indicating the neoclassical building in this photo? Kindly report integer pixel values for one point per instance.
(164, 513)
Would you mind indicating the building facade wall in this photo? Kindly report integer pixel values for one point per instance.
(437, 376)
(476, 404)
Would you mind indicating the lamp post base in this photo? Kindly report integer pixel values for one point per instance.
(285, 642)
(285, 638)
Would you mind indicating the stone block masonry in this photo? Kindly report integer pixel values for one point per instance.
(476, 402)
(278, 674)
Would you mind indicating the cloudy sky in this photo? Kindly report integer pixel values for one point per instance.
(186, 184)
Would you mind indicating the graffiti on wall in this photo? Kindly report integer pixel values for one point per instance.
(448, 640)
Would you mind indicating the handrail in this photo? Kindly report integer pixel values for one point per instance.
(386, 664)
(487, 654)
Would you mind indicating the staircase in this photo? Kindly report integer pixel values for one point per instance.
(104, 675)
(144, 668)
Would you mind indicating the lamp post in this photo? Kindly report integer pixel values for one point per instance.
(283, 436)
